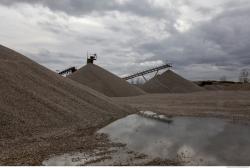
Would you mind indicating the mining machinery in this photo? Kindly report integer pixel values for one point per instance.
(91, 58)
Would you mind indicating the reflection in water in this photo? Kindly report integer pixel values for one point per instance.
(203, 141)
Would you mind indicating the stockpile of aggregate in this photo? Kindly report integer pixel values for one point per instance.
(170, 82)
(34, 99)
(105, 82)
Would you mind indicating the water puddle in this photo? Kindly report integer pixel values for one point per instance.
(190, 140)
(196, 141)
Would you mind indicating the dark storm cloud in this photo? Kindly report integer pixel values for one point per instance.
(224, 39)
(81, 7)
(73, 7)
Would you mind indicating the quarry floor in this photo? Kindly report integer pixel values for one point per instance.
(223, 104)
(33, 150)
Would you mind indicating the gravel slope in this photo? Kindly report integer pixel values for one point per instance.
(170, 82)
(41, 111)
(34, 98)
(105, 82)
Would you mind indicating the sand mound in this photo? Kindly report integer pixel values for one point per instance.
(34, 99)
(170, 82)
(105, 82)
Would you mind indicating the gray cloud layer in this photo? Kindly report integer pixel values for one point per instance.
(81, 7)
(224, 40)
(203, 40)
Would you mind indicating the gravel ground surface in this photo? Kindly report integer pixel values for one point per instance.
(225, 104)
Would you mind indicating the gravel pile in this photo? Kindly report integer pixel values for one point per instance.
(34, 99)
(170, 82)
(105, 82)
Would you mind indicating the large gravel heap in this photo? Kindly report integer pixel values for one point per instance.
(105, 82)
(170, 82)
(34, 99)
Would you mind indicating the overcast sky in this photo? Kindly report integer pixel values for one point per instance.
(204, 39)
